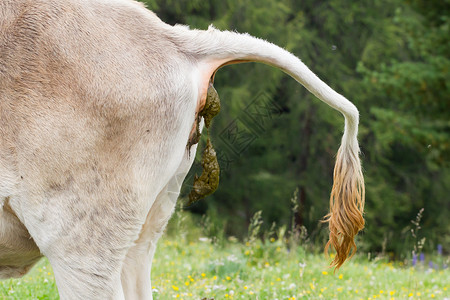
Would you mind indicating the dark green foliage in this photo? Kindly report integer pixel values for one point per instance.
(390, 58)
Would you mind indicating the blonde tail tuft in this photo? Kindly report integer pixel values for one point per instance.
(346, 204)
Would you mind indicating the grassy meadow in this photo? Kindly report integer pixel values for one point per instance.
(189, 266)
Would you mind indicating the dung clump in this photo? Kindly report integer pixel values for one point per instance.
(212, 105)
(208, 181)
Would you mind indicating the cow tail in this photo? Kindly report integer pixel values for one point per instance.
(345, 217)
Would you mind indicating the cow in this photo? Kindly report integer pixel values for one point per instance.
(98, 102)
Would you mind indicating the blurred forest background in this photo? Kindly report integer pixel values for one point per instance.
(390, 58)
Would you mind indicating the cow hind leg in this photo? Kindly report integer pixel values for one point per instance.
(86, 236)
(18, 252)
(87, 265)
(137, 265)
(136, 272)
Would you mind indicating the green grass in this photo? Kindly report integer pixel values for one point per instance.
(39, 283)
(187, 266)
(197, 269)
